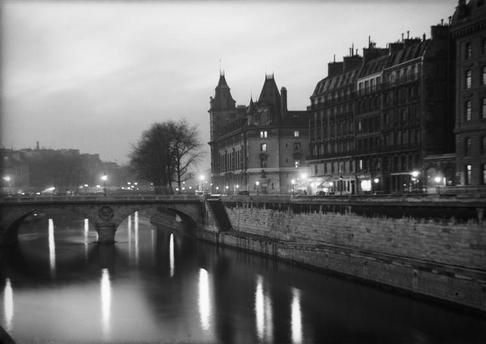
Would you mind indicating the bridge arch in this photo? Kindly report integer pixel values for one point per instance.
(105, 215)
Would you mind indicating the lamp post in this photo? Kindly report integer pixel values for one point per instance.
(104, 178)
(415, 175)
(293, 186)
(257, 183)
(201, 185)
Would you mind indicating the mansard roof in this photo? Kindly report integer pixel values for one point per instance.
(335, 82)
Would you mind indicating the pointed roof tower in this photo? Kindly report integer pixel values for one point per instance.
(222, 99)
(270, 94)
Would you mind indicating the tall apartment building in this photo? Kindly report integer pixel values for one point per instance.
(258, 148)
(469, 32)
(376, 117)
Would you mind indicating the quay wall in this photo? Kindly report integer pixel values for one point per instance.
(431, 249)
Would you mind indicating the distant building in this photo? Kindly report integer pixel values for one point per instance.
(376, 117)
(259, 148)
(469, 33)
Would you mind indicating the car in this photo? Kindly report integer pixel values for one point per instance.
(244, 193)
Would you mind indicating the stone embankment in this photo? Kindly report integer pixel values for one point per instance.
(428, 247)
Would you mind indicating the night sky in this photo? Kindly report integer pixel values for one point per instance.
(93, 75)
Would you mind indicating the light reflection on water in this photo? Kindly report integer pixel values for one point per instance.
(263, 313)
(129, 292)
(8, 304)
(171, 255)
(296, 317)
(204, 299)
(105, 302)
(52, 249)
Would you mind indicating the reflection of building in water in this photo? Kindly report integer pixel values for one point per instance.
(263, 313)
(204, 299)
(52, 249)
(171, 255)
(8, 305)
(296, 320)
(105, 301)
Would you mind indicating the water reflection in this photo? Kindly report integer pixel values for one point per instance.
(263, 313)
(52, 249)
(8, 305)
(105, 301)
(171, 255)
(135, 225)
(86, 235)
(296, 317)
(204, 299)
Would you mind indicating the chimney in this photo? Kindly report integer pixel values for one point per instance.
(283, 102)
(351, 62)
(334, 68)
(439, 32)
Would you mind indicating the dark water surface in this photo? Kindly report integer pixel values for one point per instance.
(153, 287)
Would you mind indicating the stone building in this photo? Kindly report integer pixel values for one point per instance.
(469, 33)
(377, 116)
(259, 148)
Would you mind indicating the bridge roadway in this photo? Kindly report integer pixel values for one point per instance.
(104, 212)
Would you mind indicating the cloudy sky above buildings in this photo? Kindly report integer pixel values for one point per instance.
(93, 75)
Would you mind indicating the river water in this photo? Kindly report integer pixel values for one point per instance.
(152, 286)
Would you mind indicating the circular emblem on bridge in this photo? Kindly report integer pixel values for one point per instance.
(105, 213)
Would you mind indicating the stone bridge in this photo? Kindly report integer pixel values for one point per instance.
(105, 213)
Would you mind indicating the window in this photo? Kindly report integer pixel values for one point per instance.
(483, 145)
(467, 110)
(263, 163)
(468, 170)
(467, 146)
(296, 133)
(483, 46)
(483, 75)
(360, 164)
(483, 174)
(263, 134)
(297, 147)
(483, 108)
(468, 79)
(468, 50)
(263, 147)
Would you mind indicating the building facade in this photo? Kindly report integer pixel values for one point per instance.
(469, 33)
(376, 117)
(259, 148)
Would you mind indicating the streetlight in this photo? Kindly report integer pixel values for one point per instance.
(257, 186)
(201, 185)
(293, 185)
(8, 179)
(104, 178)
(415, 175)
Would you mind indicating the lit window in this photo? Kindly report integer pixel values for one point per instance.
(468, 175)
(263, 147)
(468, 110)
(360, 164)
(483, 76)
(263, 134)
(296, 133)
(483, 174)
(468, 79)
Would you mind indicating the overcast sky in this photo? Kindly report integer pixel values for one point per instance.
(93, 75)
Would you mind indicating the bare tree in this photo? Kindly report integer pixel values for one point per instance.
(165, 153)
